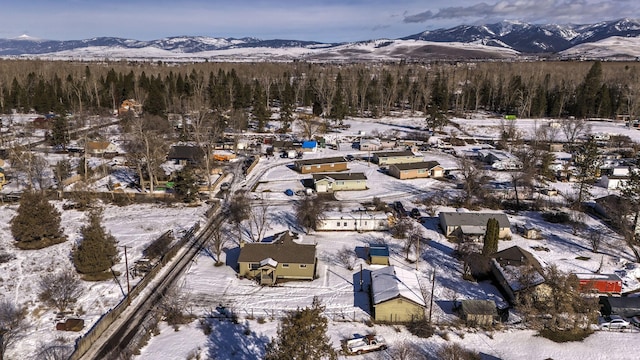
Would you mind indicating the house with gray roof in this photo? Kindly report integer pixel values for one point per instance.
(396, 295)
(395, 157)
(339, 181)
(473, 223)
(280, 258)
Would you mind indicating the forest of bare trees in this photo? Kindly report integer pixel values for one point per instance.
(525, 89)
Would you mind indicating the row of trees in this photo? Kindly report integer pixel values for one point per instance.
(544, 89)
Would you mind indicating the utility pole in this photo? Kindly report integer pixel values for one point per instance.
(361, 281)
(433, 286)
(126, 264)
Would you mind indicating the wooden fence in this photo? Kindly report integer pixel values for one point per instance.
(87, 340)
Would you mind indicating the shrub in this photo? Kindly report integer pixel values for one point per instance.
(556, 217)
(561, 336)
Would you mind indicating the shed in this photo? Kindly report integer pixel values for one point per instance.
(379, 254)
(478, 312)
(599, 283)
(396, 295)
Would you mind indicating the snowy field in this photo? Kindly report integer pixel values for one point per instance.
(207, 286)
(338, 288)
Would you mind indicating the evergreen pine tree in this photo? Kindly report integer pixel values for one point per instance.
(302, 335)
(37, 223)
(491, 236)
(97, 251)
(185, 186)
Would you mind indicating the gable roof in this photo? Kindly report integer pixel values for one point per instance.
(416, 165)
(339, 176)
(337, 159)
(391, 282)
(379, 250)
(474, 218)
(380, 154)
(516, 256)
(478, 307)
(282, 250)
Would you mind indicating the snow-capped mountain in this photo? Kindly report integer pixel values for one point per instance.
(505, 39)
(529, 38)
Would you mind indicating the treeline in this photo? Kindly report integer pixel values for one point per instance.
(528, 89)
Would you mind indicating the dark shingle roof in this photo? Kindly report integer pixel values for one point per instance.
(340, 176)
(339, 159)
(380, 154)
(283, 250)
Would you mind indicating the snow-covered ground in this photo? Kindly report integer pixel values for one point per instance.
(207, 286)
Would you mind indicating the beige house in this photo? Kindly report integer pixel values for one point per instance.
(281, 258)
(473, 224)
(321, 165)
(416, 170)
(99, 148)
(395, 157)
(396, 295)
(339, 181)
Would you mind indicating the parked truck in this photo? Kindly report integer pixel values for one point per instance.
(366, 344)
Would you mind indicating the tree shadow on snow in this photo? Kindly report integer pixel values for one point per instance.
(232, 256)
(484, 356)
(234, 341)
(361, 299)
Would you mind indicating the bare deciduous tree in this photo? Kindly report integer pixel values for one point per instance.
(310, 211)
(346, 257)
(217, 244)
(11, 325)
(60, 290)
(259, 220)
(239, 210)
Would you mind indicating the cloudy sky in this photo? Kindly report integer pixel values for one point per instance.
(319, 20)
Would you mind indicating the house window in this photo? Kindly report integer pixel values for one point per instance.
(339, 182)
(254, 266)
(307, 167)
(286, 266)
(365, 223)
(303, 266)
(422, 171)
(345, 223)
(338, 223)
(332, 165)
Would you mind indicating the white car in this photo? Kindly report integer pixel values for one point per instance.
(615, 323)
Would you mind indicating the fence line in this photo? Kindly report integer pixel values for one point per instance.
(88, 339)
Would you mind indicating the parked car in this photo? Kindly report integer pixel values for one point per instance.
(225, 186)
(635, 321)
(399, 208)
(615, 323)
(415, 213)
(289, 192)
(366, 344)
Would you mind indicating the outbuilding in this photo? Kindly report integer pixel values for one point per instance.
(396, 295)
(477, 312)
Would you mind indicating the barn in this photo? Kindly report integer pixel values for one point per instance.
(600, 283)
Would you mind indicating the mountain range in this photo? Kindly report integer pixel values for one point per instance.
(618, 39)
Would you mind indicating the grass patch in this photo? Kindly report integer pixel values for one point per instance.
(97, 276)
(560, 336)
(40, 244)
(583, 258)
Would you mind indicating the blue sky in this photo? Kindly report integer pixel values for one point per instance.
(319, 20)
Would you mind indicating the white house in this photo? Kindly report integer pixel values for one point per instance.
(355, 221)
